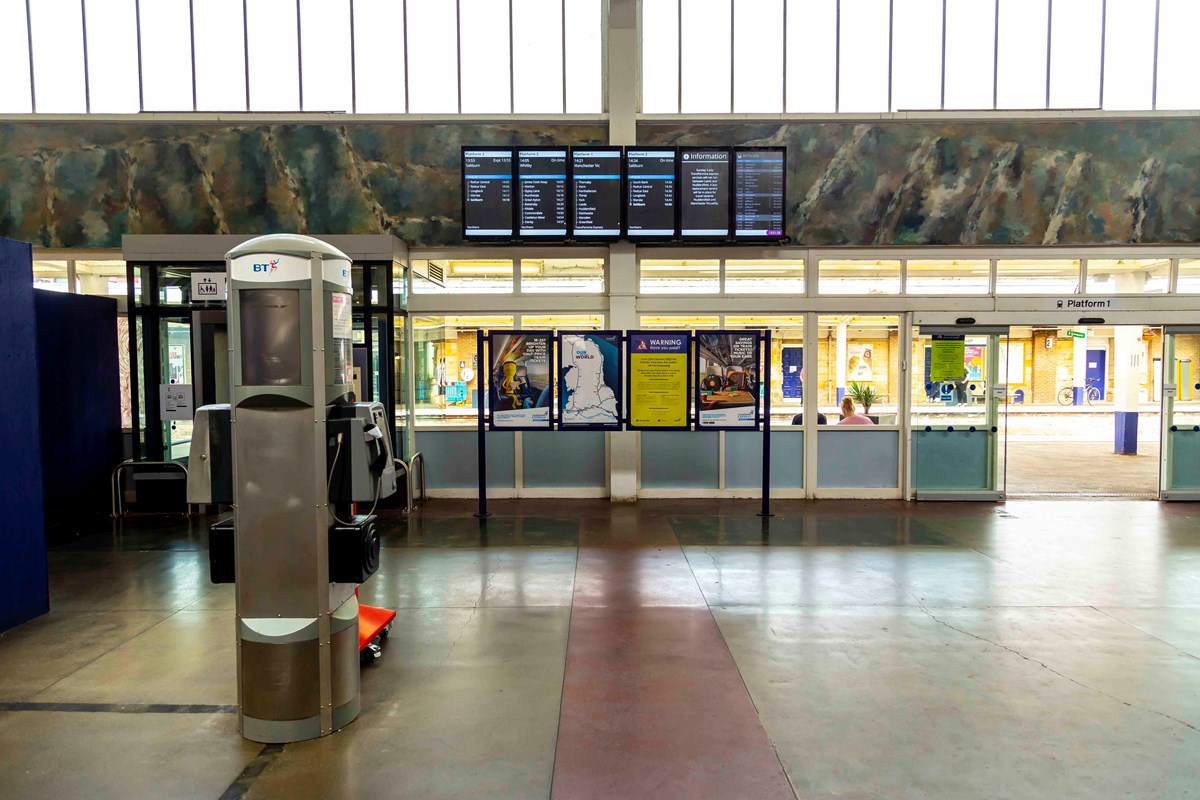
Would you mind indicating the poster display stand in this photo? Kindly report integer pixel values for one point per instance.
(732, 385)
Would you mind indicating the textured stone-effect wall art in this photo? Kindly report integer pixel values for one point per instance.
(1004, 183)
(849, 183)
(85, 184)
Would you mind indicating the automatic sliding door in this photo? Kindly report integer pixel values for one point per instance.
(959, 413)
(1180, 472)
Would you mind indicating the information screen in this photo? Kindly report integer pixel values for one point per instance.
(758, 195)
(650, 192)
(542, 192)
(704, 192)
(487, 192)
(596, 176)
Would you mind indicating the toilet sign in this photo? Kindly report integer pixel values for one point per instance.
(208, 286)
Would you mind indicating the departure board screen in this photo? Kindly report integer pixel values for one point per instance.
(759, 192)
(542, 192)
(650, 192)
(596, 178)
(487, 193)
(704, 192)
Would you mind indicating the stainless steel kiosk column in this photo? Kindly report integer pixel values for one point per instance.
(291, 356)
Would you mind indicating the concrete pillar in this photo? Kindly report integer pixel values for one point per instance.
(622, 316)
(841, 361)
(1129, 364)
(1079, 365)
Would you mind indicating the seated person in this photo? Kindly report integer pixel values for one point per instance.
(798, 419)
(851, 418)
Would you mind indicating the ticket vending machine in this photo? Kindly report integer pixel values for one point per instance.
(302, 452)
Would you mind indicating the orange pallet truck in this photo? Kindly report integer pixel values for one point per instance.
(374, 625)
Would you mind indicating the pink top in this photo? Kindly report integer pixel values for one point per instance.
(856, 419)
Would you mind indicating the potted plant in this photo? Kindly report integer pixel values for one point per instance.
(864, 394)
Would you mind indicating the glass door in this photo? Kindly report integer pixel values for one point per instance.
(959, 413)
(175, 370)
(1180, 470)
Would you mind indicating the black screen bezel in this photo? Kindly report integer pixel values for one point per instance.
(512, 188)
(557, 237)
(674, 235)
(729, 198)
(620, 151)
(734, 196)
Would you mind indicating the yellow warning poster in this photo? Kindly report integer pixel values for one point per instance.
(947, 358)
(658, 379)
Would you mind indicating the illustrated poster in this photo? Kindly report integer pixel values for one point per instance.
(519, 388)
(727, 379)
(589, 380)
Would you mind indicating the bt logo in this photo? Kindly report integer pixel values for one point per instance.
(269, 267)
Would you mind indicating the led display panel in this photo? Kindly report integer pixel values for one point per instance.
(759, 190)
(650, 192)
(487, 193)
(596, 192)
(542, 192)
(704, 176)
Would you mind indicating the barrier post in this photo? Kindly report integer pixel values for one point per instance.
(766, 427)
(481, 438)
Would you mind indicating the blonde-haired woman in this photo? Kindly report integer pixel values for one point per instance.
(851, 418)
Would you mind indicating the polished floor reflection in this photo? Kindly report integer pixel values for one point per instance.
(690, 649)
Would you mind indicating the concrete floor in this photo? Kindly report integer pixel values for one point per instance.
(672, 649)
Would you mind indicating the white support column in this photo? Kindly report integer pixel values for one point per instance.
(1079, 367)
(841, 361)
(622, 316)
(621, 78)
(1129, 365)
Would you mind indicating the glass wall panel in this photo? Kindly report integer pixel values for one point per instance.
(660, 56)
(379, 57)
(432, 57)
(764, 276)
(325, 54)
(859, 357)
(863, 57)
(463, 276)
(537, 56)
(175, 341)
(446, 367)
(483, 39)
(970, 44)
(584, 25)
(220, 63)
(965, 276)
(112, 56)
(916, 55)
(51, 276)
(680, 276)
(959, 399)
(1189, 276)
(758, 56)
(1128, 54)
(1177, 25)
(103, 278)
(1076, 34)
(678, 322)
(58, 56)
(859, 277)
(1037, 276)
(812, 56)
(1020, 60)
(1128, 276)
(562, 322)
(705, 60)
(1185, 411)
(563, 275)
(275, 70)
(15, 89)
(787, 363)
(167, 55)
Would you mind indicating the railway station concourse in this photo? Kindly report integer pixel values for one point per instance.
(721, 399)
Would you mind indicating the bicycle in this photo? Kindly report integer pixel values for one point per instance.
(1091, 393)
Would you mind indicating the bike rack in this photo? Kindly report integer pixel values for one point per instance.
(418, 458)
(118, 505)
(408, 500)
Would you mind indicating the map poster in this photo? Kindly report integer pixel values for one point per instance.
(589, 380)
(519, 388)
(659, 363)
(947, 358)
(727, 380)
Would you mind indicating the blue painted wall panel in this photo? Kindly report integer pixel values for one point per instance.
(679, 460)
(450, 459)
(552, 459)
(24, 590)
(743, 459)
(859, 459)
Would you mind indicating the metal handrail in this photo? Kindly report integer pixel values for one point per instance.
(408, 489)
(412, 463)
(118, 505)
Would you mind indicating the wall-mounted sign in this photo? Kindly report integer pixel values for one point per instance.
(947, 357)
(175, 401)
(208, 287)
(1077, 334)
(519, 391)
(658, 367)
(727, 380)
(589, 380)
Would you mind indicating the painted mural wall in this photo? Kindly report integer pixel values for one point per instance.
(881, 183)
(1004, 183)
